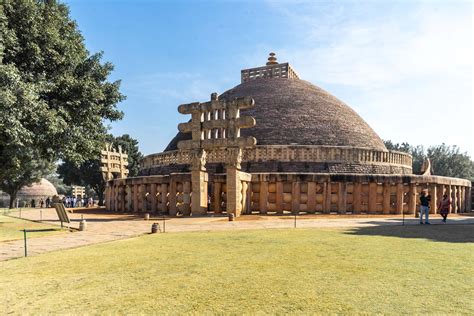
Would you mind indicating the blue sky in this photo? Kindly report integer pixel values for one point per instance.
(406, 67)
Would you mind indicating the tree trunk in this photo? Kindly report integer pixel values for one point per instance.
(12, 199)
(100, 195)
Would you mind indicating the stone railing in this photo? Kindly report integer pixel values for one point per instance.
(170, 194)
(290, 153)
(295, 193)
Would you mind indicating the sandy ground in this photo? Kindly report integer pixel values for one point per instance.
(104, 227)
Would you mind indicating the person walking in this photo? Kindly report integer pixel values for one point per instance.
(443, 207)
(41, 203)
(48, 202)
(425, 199)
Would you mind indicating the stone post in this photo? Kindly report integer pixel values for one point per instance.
(311, 197)
(412, 200)
(279, 197)
(386, 198)
(164, 198)
(454, 200)
(356, 197)
(152, 196)
(372, 198)
(216, 201)
(399, 206)
(295, 197)
(468, 199)
(434, 199)
(199, 180)
(327, 197)
(186, 198)
(342, 198)
(448, 193)
(233, 182)
(263, 197)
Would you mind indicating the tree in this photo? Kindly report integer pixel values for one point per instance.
(54, 96)
(58, 183)
(89, 174)
(445, 160)
(86, 174)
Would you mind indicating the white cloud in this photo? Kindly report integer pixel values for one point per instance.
(410, 69)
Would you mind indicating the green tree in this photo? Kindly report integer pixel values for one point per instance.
(446, 160)
(54, 96)
(86, 174)
(58, 183)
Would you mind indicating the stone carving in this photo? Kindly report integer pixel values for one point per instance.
(426, 167)
(198, 160)
(233, 157)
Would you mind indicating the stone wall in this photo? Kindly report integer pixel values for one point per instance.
(297, 193)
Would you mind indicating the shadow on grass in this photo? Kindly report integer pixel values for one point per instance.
(457, 232)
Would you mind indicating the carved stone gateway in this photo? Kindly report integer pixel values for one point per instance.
(114, 163)
(215, 125)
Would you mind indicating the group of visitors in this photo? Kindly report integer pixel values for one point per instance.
(68, 201)
(443, 207)
(72, 201)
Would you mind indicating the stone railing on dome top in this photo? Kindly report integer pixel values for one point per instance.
(291, 153)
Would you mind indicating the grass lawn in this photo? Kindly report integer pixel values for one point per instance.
(389, 270)
(11, 228)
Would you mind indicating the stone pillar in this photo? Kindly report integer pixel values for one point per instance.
(172, 207)
(399, 206)
(108, 195)
(120, 206)
(216, 199)
(246, 208)
(143, 198)
(386, 198)
(458, 199)
(372, 198)
(468, 199)
(152, 196)
(311, 197)
(434, 198)
(295, 197)
(233, 182)
(129, 203)
(263, 197)
(327, 197)
(164, 198)
(448, 193)
(199, 183)
(342, 198)
(135, 198)
(279, 197)
(412, 200)
(462, 199)
(356, 197)
(187, 198)
(454, 199)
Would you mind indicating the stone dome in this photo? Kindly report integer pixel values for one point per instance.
(44, 188)
(296, 112)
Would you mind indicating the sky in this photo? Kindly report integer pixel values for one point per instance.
(406, 67)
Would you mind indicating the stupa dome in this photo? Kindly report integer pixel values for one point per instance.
(44, 188)
(296, 112)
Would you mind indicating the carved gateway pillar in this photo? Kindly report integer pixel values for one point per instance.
(215, 125)
(233, 182)
(199, 181)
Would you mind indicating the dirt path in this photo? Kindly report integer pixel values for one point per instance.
(108, 227)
